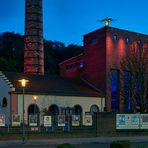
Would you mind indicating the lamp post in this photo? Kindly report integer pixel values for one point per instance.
(34, 98)
(23, 84)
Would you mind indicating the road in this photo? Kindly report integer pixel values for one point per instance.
(96, 142)
(92, 145)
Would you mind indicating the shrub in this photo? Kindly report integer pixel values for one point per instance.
(65, 145)
(120, 144)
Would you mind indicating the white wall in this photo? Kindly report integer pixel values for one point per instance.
(44, 101)
(4, 92)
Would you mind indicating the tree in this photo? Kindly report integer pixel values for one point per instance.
(134, 78)
(12, 53)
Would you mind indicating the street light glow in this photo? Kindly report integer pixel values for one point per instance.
(34, 98)
(23, 82)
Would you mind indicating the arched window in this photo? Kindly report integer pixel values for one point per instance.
(115, 38)
(33, 115)
(94, 109)
(54, 110)
(33, 109)
(4, 102)
(77, 110)
(127, 40)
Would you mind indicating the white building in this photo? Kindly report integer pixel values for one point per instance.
(55, 96)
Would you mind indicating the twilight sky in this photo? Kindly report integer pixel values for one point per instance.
(68, 20)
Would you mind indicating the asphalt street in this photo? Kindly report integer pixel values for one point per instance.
(96, 142)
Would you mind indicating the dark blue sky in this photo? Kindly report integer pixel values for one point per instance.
(68, 20)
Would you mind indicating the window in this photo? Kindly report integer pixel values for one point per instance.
(93, 41)
(115, 90)
(115, 38)
(127, 40)
(138, 89)
(53, 110)
(4, 102)
(139, 41)
(94, 109)
(81, 64)
(77, 110)
(127, 92)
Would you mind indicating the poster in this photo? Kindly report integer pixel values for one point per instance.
(88, 120)
(2, 120)
(33, 120)
(128, 121)
(75, 120)
(47, 121)
(16, 120)
(61, 120)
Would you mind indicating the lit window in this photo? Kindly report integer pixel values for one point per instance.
(127, 40)
(115, 90)
(115, 38)
(81, 64)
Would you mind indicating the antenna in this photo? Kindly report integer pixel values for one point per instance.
(107, 21)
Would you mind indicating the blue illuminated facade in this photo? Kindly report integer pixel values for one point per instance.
(127, 90)
(115, 96)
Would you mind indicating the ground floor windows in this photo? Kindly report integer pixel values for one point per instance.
(60, 115)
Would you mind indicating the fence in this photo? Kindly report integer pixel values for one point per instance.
(103, 124)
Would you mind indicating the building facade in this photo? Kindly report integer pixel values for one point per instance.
(105, 48)
(55, 96)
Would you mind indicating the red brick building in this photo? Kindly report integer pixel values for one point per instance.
(104, 49)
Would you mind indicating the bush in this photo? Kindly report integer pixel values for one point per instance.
(120, 144)
(65, 145)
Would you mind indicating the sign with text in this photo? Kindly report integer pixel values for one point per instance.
(132, 121)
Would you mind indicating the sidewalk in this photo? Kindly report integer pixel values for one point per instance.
(46, 142)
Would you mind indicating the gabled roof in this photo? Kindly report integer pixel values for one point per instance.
(51, 85)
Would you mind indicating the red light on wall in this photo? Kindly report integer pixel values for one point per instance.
(121, 47)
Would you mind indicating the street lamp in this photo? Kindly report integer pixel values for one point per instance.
(23, 84)
(36, 115)
(35, 98)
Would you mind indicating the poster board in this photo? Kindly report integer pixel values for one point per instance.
(2, 120)
(47, 121)
(61, 120)
(75, 120)
(33, 120)
(16, 120)
(131, 121)
(88, 120)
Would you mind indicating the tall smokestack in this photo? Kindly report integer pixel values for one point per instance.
(33, 46)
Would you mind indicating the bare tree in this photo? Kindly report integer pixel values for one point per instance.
(134, 78)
